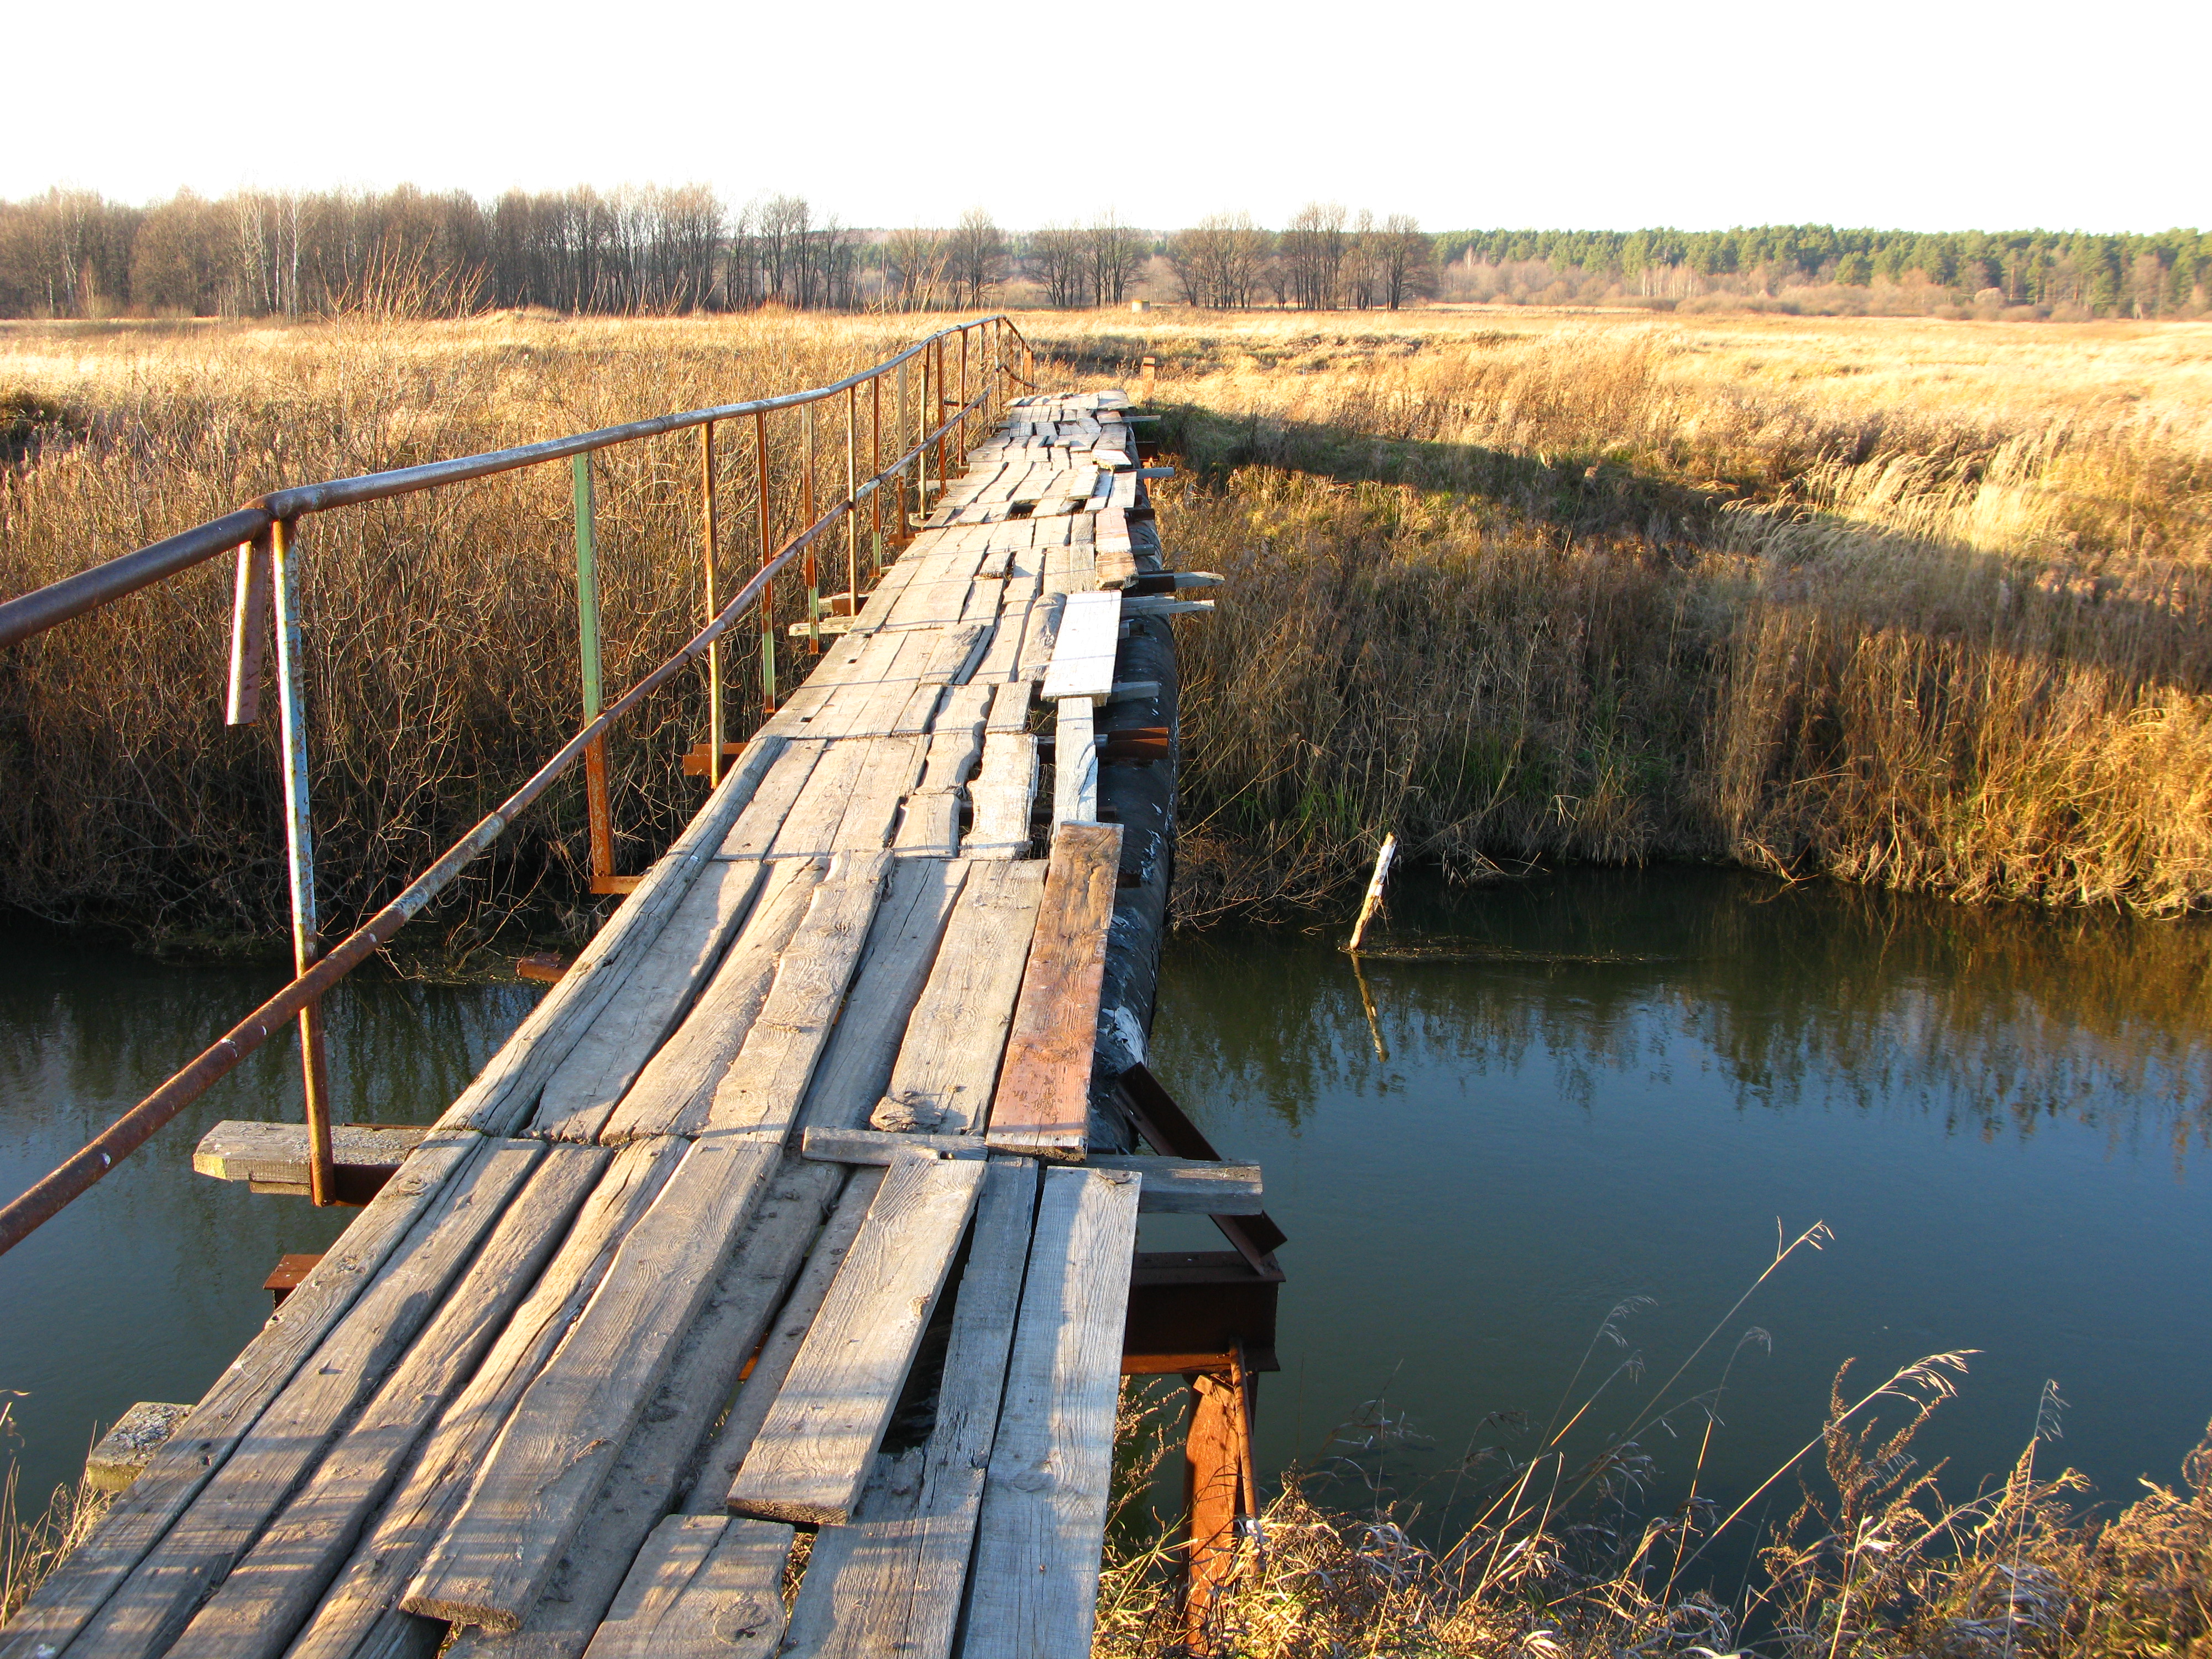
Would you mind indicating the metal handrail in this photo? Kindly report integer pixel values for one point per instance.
(301, 997)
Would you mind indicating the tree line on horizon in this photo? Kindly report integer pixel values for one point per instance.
(667, 250)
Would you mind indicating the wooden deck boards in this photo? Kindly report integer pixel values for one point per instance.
(607, 1295)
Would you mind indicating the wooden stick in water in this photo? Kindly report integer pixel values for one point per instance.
(1374, 899)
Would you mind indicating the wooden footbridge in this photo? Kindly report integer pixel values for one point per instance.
(769, 1292)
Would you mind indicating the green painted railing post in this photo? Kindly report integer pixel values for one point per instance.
(587, 634)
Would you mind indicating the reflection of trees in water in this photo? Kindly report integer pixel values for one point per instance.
(1813, 995)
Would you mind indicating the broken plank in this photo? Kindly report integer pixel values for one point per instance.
(1173, 1186)
(1042, 1105)
(1034, 1584)
(814, 1451)
(550, 1462)
(275, 1154)
(949, 1059)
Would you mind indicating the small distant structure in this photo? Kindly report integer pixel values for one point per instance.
(1140, 304)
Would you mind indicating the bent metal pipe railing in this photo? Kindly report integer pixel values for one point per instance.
(261, 532)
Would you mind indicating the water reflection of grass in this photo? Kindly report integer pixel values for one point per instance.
(1807, 995)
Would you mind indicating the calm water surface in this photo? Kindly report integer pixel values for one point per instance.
(1612, 1086)
(1622, 1086)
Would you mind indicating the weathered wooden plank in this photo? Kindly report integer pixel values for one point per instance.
(888, 775)
(928, 825)
(672, 1088)
(1003, 653)
(810, 830)
(1038, 634)
(359, 1608)
(814, 1451)
(765, 1085)
(145, 1616)
(275, 1154)
(893, 1584)
(955, 741)
(949, 1059)
(505, 1090)
(1043, 1106)
(755, 831)
(77, 1590)
(1082, 652)
(1010, 706)
(552, 1458)
(756, 1397)
(1173, 1186)
(1074, 764)
(583, 1091)
(1033, 1590)
(263, 1604)
(657, 1461)
(1002, 791)
(704, 1587)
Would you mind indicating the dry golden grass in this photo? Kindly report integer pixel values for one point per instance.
(441, 627)
(1908, 602)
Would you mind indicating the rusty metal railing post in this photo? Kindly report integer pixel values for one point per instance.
(283, 577)
(710, 532)
(767, 552)
(875, 472)
(899, 531)
(960, 443)
(938, 423)
(596, 804)
(851, 486)
(813, 567)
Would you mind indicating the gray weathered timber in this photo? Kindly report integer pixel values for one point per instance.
(766, 1082)
(813, 1453)
(1033, 1590)
(146, 1615)
(81, 1585)
(902, 945)
(1082, 663)
(359, 1615)
(1173, 1186)
(1043, 1106)
(660, 1454)
(584, 1088)
(1074, 764)
(550, 1461)
(507, 1089)
(892, 1584)
(751, 1408)
(271, 1593)
(275, 1154)
(1002, 791)
(754, 831)
(950, 1057)
(670, 1095)
(704, 1587)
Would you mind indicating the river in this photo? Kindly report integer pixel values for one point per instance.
(1600, 1088)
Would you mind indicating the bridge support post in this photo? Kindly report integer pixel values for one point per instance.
(300, 854)
(1219, 1491)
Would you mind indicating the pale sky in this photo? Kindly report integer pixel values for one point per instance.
(1699, 114)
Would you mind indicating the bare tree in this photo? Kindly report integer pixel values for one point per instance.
(1405, 261)
(976, 255)
(1220, 262)
(1311, 253)
(1057, 258)
(915, 267)
(1117, 253)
